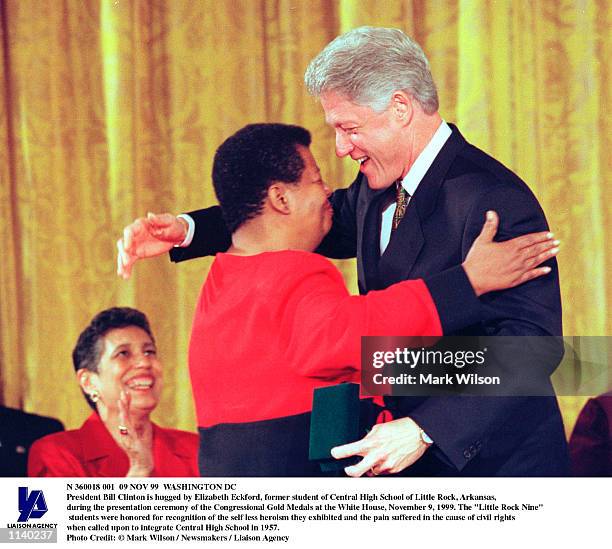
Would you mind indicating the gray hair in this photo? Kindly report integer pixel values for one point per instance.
(368, 64)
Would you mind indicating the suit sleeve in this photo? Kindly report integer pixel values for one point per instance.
(49, 459)
(460, 426)
(210, 237)
(527, 317)
(533, 308)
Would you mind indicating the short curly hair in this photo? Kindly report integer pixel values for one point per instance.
(248, 162)
(89, 346)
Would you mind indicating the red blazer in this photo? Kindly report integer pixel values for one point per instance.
(92, 452)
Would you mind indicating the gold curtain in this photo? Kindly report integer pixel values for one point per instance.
(112, 108)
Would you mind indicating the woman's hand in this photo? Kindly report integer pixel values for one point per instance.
(492, 266)
(137, 445)
(146, 237)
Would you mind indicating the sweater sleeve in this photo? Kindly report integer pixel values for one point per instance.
(321, 317)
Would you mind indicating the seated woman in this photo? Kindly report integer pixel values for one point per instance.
(274, 320)
(121, 377)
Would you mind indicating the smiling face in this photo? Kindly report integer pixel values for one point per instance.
(311, 210)
(373, 139)
(128, 362)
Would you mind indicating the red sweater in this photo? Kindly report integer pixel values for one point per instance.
(270, 328)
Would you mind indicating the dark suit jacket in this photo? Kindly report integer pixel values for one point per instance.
(473, 435)
(18, 430)
(92, 452)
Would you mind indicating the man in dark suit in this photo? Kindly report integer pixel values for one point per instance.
(414, 209)
(18, 430)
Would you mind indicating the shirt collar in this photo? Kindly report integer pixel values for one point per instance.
(426, 158)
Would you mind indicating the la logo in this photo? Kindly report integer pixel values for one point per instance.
(32, 505)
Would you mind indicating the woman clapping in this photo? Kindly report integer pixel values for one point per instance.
(117, 368)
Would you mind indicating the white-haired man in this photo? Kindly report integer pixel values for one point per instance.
(414, 209)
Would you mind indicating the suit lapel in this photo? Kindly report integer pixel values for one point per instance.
(103, 455)
(370, 237)
(406, 243)
(404, 247)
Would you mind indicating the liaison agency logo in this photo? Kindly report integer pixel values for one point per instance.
(32, 505)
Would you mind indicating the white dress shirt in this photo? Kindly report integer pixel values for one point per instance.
(413, 178)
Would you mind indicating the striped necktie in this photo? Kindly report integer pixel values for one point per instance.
(401, 200)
